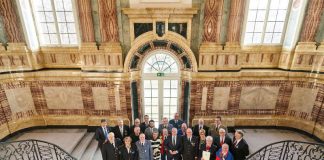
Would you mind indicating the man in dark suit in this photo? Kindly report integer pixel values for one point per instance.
(222, 139)
(165, 124)
(102, 134)
(111, 148)
(198, 127)
(137, 123)
(176, 122)
(173, 145)
(128, 151)
(121, 130)
(135, 135)
(240, 148)
(145, 124)
(214, 129)
(189, 146)
(144, 148)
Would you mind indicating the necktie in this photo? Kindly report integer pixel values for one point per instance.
(105, 132)
(173, 141)
(222, 141)
(176, 121)
(189, 139)
(152, 130)
(200, 127)
(235, 143)
(142, 144)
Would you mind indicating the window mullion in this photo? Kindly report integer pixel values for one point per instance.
(283, 34)
(265, 21)
(56, 23)
(31, 4)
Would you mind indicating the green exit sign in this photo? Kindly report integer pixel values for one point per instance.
(160, 74)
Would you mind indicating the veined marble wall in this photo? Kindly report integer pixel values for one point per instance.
(273, 98)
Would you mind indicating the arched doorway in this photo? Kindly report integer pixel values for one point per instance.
(160, 85)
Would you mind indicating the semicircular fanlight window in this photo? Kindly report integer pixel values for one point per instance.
(160, 63)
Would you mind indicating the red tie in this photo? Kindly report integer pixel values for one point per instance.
(222, 141)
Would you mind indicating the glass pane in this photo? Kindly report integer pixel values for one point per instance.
(59, 5)
(155, 101)
(166, 92)
(69, 16)
(60, 17)
(147, 101)
(45, 39)
(68, 5)
(155, 93)
(155, 109)
(274, 4)
(257, 38)
(276, 38)
(147, 84)
(73, 39)
(71, 27)
(54, 39)
(166, 83)
(279, 27)
(147, 109)
(267, 38)
(272, 15)
(173, 109)
(155, 83)
(160, 63)
(47, 5)
(283, 4)
(147, 93)
(270, 26)
(252, 15)
(281, 15)
(173, 101)
(41, 16)
(250, 26)
(166, 101)
(174, 93)
(261, 15)
(248, 38)
(65, 39)
(262, 4)
(174, 84)
(258, 26)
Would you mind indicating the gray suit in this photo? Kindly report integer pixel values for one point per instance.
(149, 134)
(144, 152)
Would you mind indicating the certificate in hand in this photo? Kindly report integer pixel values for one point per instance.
(206, 155)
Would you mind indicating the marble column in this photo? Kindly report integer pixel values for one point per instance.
(11, 22)
(108, 21)
(312, 20)
(235, 21)
(86, 22)
(213, 20)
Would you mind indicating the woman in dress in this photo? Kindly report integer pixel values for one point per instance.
(201, 139)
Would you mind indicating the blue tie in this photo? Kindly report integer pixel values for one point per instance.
(105, 132)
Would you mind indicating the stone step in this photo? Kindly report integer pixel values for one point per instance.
(97, 155)
(90, 151)
(82, 145)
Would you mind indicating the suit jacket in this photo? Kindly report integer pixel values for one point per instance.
(144, 152)
(131, 129)
(149, 134)
(214, 131)
(124, 155)
(169, 127)
(134, 138)
(100, 136)
(125, 133)
(143, 126)
(196, 130)
(111, 152)
(177, 147)
(212, 150)
(227, 141)
(240, 150)
(176, 125)
(189, 148)
(180, 133)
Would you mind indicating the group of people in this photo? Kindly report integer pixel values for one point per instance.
(172, 140)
